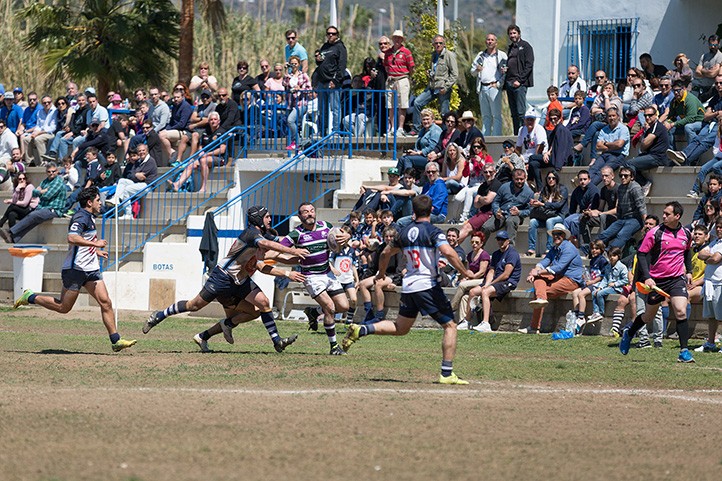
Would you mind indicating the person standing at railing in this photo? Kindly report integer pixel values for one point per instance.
(443, 75)
(203, 81)
(488, 69)
(143, 172)
(330, 70)
(399, 65)
(296, 83)
(295, 49)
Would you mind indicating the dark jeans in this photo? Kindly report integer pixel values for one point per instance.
(607, 159)
(33, 219)
(510, 223)
(424, 99)
(591, 135)
(517, 105)
(587, 223)
(646, 162)
(418, 162)
(621, 230)
(535, 166)
(401, 207)
(13, 214)
(699, 144)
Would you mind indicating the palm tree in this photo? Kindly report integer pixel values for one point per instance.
(113, 43)
(213, 13)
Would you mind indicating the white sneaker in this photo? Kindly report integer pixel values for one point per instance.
(594, 318)
(400, 133)
(693, 194)
(227, 333)
(538, 302)
(463, 218)
(528, 330)
(482, 327)
(202, 343)
(646, 188)
(462, 325)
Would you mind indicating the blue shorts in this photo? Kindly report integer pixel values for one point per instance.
(348, 285)
(431, 302)
(223, 288)
(74, 279)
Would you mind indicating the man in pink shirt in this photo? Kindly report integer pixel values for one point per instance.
(665, 261)
(399, 65)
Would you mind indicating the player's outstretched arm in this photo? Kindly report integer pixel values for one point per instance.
(275, 271)
(275, 246)
(454, 260)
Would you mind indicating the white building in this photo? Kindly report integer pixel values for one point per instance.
(611, 35)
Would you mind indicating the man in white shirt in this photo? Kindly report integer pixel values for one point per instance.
(8, 142)
(35, 141)
(570, 86)
(488, 68)
(532, 137)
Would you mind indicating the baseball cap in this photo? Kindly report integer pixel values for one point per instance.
(9, 95)
(18, 90)
(90, 90)
(502, 234)
(206, 93)
(95, 120)
(393, 171)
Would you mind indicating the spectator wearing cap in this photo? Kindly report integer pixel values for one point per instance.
(532, 138)
(203, 81)
(510, 206)
(502, 277)
(379, 196)
(468, 131)
(559, 273)
(488, 67)
(294, 47)
(11, 113)
(399, 65)
(443, 75)
(198, 122)
(20, 98)
(143, 171)
(116, 102)
(508, 162)
(35, 140)
(96, 137)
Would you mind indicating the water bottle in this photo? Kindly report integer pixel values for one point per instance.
(571, 324)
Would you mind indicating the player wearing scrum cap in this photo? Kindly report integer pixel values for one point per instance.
(231, 285)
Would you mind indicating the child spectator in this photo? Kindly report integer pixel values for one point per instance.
(598, 270)
(343, 265)
(712, 291)
(579, 117)
(508, 162)
(614, 282)
(554, 103)
(70, 174)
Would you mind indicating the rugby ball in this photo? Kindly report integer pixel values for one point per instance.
(373, 245)
(333, 244)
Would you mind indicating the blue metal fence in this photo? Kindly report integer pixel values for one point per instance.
(608, 44)
(307, 177)
(161, 210)
(279, 120)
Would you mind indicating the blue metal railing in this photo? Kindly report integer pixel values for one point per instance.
(160, 211)
(605, 44)
(307, 177)
(279, 119)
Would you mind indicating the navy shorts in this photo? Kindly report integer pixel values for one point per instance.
(502, 289)
(674, 286)
(431, 302)
(348, 285)
(223, 288)
(73, 279)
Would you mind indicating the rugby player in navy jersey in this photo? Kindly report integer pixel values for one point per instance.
(230, 283)
(422, 244)
(82, 269)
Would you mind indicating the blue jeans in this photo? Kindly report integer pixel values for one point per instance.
(435, 219)
(621, 230)
(613, 160)
(645, 162)
(534, 225)
(418, 162)
(59, 146)
(294, 121)
(401, 207)
(572, 223)
(517, 105)
(690, 131)
(714, 165)
(700, 143)
(598, 298)
(329, 103)
(453, 187)
(591, 136)
(424, 99)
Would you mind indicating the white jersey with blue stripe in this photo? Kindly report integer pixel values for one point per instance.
(420, 242)
(82, 258)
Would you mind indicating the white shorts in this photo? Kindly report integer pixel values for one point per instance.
(403, 87)
(317, 283)
(712, 301)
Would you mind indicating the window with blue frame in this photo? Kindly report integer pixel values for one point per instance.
(609, 45)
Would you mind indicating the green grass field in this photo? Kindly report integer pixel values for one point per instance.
(73, 410)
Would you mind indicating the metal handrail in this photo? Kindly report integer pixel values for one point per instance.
(306, 177)
(172, 208)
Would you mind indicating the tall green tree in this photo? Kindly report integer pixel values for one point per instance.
(113, 43)
(213, 13)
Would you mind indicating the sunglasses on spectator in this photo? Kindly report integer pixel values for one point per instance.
(476, 146)
(489, 172)
(223, 95)
(432, 171)
(242, 68)
(718, 83)
(637, 85)
(328, 34)
(51, 171)
(676, 90)
(631, 74)
(384, 43)
(290, 38)
(600, 77)
(624, 176)
(438, 43)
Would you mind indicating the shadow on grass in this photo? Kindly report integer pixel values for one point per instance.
(61, 352)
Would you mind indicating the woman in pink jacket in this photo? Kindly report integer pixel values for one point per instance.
(22, 202)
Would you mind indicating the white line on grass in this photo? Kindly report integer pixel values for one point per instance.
(694, 396)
